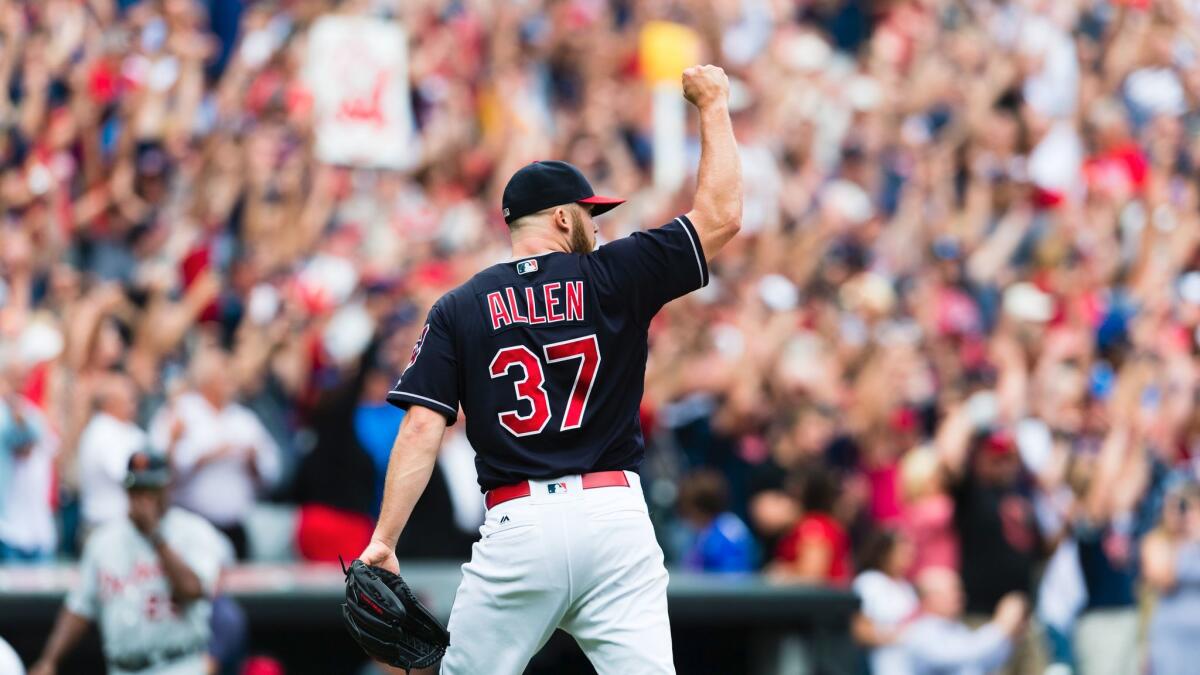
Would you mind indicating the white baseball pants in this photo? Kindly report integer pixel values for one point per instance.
(582, 560)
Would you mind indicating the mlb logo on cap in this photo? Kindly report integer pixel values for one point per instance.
(526, 266)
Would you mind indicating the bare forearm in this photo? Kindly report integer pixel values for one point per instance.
(413, 456)
(69, 628)
(870, 634)
(996, 251)
(717, 209)
(953, 442)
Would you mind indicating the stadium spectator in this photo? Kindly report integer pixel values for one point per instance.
(721, 542)
(375, 425)
(332, 481)
(1105, 639)
(817, 549)
(889, 601)
(224, 457)
(1170, 558)
(938, 641)
(928, 516)
(802, 433)
(1000, 544)
(105, 446)
(27, 450)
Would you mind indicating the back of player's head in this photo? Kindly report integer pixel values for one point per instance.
(538, 186)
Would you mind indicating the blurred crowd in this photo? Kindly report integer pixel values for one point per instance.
(951, 362)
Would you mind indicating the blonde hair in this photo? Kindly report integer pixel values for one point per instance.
(920, 473)
(531, 218)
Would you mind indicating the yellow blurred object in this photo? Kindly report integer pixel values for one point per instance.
(665, 49)
(490, 111)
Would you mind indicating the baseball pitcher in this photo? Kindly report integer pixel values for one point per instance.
(546, 355)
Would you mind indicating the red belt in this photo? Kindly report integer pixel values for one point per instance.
(596, 479)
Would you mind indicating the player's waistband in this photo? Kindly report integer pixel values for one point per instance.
(595, 479)
(133, 663)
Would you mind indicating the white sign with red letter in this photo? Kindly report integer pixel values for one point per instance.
(357, 69)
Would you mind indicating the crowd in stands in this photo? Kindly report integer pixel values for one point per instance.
(951, 362)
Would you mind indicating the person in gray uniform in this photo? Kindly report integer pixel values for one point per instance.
(147, 580)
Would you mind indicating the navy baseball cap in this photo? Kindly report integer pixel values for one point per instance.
(147, 471)
(541, 185)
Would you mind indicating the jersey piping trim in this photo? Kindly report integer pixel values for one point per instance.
(453, 411)
(687, 227)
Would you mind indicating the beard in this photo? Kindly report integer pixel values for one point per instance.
(579, 242)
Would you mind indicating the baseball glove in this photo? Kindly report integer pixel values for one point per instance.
(388, 622)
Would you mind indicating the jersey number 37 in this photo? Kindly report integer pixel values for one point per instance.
(531, 385)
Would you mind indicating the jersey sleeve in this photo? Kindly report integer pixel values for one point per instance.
(651, 268)
(431, 378)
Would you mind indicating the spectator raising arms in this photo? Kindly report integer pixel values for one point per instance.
(1171, 564)
(108, 441)
(993, 509)
(27, 449)
(224, 456)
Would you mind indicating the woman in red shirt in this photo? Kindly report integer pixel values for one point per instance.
(817, 549)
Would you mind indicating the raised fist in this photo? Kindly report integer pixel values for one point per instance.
(705, 85)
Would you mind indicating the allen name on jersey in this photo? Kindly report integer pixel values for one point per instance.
(554, 302)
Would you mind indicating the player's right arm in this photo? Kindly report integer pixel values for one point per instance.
(717, 208)
(428, 390)
(413, 457)
(646, 270)
(69, 629)
(80, 607)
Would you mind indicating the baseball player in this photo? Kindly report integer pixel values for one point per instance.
(546, 354)
(147, 580)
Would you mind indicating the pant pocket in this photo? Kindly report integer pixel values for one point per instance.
(508, 531)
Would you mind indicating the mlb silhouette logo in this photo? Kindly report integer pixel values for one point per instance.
(526, 266)
(556, 488)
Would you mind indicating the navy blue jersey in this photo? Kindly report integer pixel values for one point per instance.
(547, 355)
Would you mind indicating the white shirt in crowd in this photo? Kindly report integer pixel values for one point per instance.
(104, 450)
(123, 588)
(457, 461)
(10, 663)
(888, 603)
(223, 490)
(940, 646)
(27, 485)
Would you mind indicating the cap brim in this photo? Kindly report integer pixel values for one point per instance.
(601, 204)
(148, 480)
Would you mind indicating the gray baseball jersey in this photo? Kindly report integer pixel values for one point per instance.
(123, 587)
